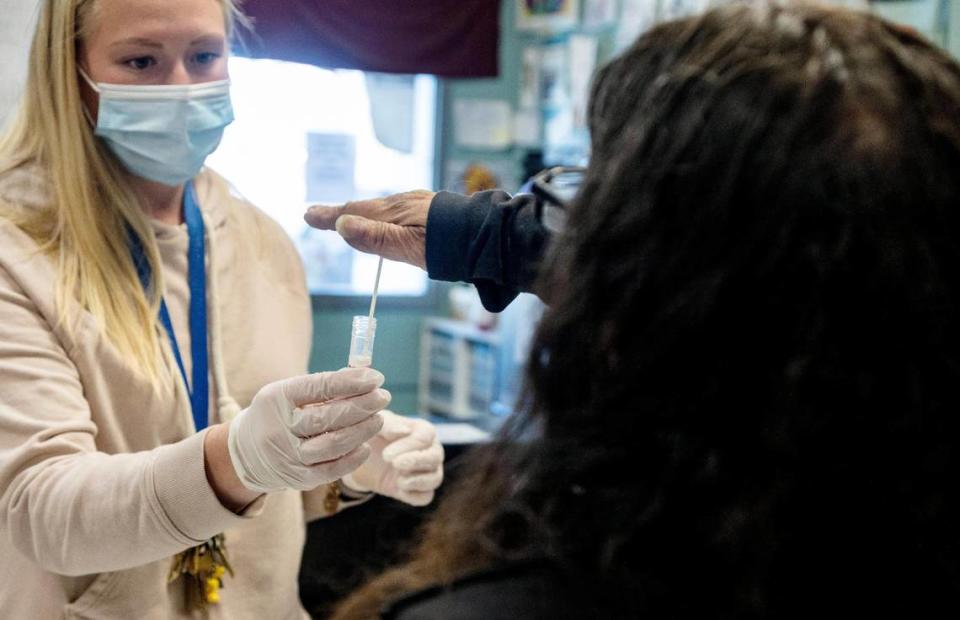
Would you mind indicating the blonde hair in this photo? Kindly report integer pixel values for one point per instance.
(92, 207)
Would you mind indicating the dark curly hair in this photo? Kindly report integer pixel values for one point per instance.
(744, 398)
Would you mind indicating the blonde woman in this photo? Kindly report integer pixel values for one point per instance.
(157, 430)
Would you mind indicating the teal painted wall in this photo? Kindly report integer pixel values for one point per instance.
(396, 349)
(504, 86)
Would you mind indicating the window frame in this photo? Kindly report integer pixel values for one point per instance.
(433, 296)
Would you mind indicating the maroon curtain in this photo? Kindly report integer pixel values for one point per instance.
(451, 38)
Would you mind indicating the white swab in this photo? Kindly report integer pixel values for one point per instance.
(376, 288)
(364, 330)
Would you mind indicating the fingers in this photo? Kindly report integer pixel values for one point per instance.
(395, 426)
(399, 243)
(416, 498)
(325, 386)
(323, 217)
(418, 489)
(416, 455)
(429, 481)
(410, 463)
(316, 419)
(405, 209)
(336, 444)
(419, 460)
(334, 470)
(393, 227)
(419, 435)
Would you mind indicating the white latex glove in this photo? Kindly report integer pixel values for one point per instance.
(406, 461)
(307, 431)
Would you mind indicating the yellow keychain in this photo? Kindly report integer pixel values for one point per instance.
(202, 568)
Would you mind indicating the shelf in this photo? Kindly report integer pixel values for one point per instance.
(438, 406)
(450, 327)
(458, 369)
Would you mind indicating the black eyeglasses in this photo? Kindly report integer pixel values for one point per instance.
(555, 188)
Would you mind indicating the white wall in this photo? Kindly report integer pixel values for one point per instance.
(17, 19)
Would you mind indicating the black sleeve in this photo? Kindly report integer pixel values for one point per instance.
(489, 239)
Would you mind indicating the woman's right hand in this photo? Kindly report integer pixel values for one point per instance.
(299, 433)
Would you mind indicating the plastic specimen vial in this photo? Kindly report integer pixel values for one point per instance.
(361, 341)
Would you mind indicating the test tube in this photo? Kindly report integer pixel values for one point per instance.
(361, 341)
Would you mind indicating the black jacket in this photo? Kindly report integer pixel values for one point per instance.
(489, 239)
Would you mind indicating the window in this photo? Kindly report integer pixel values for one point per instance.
(305, 135)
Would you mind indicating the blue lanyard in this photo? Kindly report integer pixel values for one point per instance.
(198, 389)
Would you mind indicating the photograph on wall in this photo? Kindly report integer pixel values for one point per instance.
(547, 15)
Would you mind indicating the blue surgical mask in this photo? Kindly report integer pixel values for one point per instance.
(163, 133)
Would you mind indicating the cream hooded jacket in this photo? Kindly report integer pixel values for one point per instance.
(102, 479)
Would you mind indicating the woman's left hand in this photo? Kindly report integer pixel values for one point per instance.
(406, 461)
